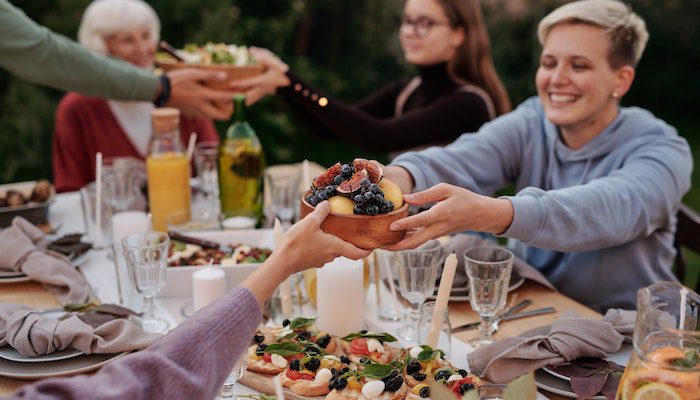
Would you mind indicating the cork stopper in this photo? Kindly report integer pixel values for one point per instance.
(165, 119)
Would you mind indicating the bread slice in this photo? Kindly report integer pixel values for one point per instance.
(352, 394)
(384, 358)
(257, 364)
(304, 387)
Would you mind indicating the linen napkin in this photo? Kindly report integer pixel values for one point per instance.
(33, 334)
(569, 338)
(21, 246)
(462, 242)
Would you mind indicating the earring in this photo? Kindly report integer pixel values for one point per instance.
(615, 94)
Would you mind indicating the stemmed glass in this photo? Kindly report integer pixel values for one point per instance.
(206, 156)
(227, 389)
(146, 259)
(417, 271)
(284, 194)
(488, 269)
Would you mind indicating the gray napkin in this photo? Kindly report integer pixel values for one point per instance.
(569, 338)
(33, 334)
(21, 248)
(462, 242)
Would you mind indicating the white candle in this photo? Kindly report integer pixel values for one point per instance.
(208, 285)
(443, 296)
(238, 223)
(340, 296)
(98, 200)
(126, 223)
(285, 286)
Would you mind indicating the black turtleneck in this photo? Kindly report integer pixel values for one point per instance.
(437, 112)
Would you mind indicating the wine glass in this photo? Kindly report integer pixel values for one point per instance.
(227, 389)
(488, 269)
(146, 259)
(284, 194)
(417, 270)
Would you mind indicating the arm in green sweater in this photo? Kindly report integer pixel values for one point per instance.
(34, 53)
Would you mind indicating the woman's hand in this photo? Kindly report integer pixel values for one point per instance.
(266, 83)
(305, 245)
(456, 210)
(190, 94)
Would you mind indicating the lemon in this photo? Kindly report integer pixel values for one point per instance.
(656, 391)
(341, 205)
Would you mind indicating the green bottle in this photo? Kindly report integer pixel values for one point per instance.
(241, 167)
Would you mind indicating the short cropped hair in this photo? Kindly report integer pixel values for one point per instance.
(626, 31)
(103, 18)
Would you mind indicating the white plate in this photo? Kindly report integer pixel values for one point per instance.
(9, 353)
(456, 293)
(556, 383)
(71, 366)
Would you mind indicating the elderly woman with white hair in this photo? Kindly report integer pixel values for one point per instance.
(128, 30)
(598, 185)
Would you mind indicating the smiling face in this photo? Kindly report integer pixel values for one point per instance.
(578, 88)
(136, 47)
(426, 35)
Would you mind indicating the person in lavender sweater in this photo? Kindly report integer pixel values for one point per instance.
(192, 361)
(598, 185)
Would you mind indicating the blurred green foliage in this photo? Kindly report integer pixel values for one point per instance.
(349, 48)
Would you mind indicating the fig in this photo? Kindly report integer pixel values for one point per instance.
(375, 171)
(354, 184)
(392, 192)
(326, 178)
(341, 205)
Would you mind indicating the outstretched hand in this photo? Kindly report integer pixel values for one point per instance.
(456, 210)
(266, 83)
(190, 94)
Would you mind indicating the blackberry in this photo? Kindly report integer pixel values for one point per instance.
(286, 322)
(413, 367)
(295, 365)
(338, 180)
(341, 383)
(419, 376)
(424, 392)
(344, 360)
(312, 364)
(372, 209)
(259, 337)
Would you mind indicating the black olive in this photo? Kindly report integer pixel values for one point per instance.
(259, 338)
(463, 372)
(466, 387)
(260, 350)
(324, 341)
(311, 349)
(344, 371)
(335, 373)
(295, 365)
(364, 360)
(393, 383)
(286, 322)
(393, 373)
(344, 360)
(413, 367)
(362, 332)
(419, 377)
(424, 392)
(341, 383)
(332, 383)
(304, 335)
(312, 364)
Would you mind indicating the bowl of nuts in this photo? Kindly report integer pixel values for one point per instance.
(30, 200)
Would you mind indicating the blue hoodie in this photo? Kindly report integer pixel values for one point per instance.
(598, 221)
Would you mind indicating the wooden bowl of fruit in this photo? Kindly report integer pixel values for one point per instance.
(363, 204)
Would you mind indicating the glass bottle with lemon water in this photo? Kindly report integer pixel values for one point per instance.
(168, 169)
(241, 167)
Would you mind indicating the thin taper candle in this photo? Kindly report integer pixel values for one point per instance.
(443, 295)
(285, 287)
(98, 200)
(190, 146)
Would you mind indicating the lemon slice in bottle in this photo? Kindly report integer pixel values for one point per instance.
(656, 391)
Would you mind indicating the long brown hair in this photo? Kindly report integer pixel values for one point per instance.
(472, 61)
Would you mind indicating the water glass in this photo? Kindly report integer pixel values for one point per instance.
(444, 342)
(386, 275)
(227, 389)
(146, 259)
(88, 203)
(123, 178)
(284, 194)
(206, 158)
(488, 269)
(417, 270)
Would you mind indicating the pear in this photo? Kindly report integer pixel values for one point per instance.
(341, 205)
(392, 192)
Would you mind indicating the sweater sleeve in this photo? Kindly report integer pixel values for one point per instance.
(36, 54)
(191, 362)
(442, 121)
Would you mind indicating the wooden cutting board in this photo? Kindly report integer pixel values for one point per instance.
(263, 384)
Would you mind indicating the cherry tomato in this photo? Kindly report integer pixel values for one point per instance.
(359, 346)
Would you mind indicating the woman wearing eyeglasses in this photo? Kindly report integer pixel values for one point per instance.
(457, 88)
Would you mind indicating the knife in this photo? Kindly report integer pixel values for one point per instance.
(206, 244)
(532, 313)
(514, 309)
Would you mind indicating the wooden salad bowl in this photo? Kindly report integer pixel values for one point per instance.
(233, 73)
(364, 231)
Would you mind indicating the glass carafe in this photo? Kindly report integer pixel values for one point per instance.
(665, 362)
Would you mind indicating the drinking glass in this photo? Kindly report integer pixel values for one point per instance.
(88, 202)
(284, 194)
(389, 307)
(417, 270)
(123, 178)
(227, 390)
(206, 158)
(426, 321)
(488, 269)
(146, 258)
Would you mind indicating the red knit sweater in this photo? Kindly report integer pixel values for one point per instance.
(85, 125)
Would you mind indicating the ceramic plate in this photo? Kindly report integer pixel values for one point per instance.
(462, 294)
(9, 353)
(556, 383)
(71, 366)
(17, 276)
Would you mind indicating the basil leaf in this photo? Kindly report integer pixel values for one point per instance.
(428, 353)
(292, 335)
(284, 349)
(382, 337)
(689, 361)
(377, 371)
(301, 322)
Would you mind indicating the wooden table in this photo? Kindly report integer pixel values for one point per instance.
(34, 295)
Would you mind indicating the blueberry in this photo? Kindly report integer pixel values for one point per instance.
(358, 210)
(463, 372)
(424, 392)
(304, 335)
(347, 169)
(389, 205)
(419, 376)
(312, 200)
(372, 209)
(413, 367)
(260, 350)
(331, 190)
(322, 196)
(359, 199)
(341, 383)
(369, 196)
(338, 180)
(259, 337)
(374, 188)
(344, 360)
(312, 364)
(295, 365)
(466, 387)
(365, 183)
(378, 198)
(286, 322)
(383, 209)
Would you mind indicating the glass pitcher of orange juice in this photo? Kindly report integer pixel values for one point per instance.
(665, 362)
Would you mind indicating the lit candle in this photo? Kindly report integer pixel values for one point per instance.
(126, 223)
(340, 296)
(208, 285)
